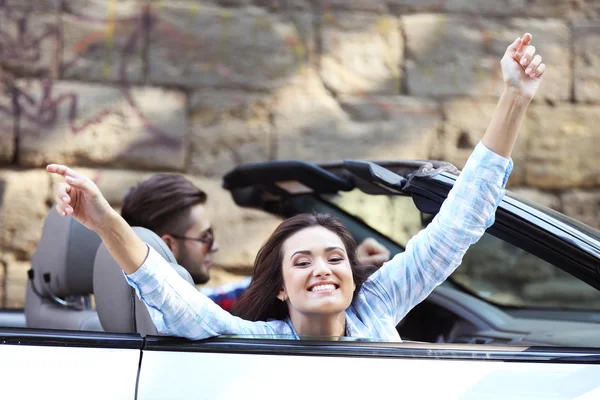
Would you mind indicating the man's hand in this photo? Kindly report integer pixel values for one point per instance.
(371, 252)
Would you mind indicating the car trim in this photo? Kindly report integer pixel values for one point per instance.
(67, 338)
(352, 348)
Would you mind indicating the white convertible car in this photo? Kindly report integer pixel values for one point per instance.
(520, 319)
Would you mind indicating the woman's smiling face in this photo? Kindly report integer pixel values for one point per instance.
(317, 277)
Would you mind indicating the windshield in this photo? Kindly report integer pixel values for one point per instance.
(492, 269)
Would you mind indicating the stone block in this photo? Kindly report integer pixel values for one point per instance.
(361, 53)
(23, 209)
(586, 40)
(212, 46)
(312, 126)
(96, 10)
(7, 126)
(459, 55)
(2, 284)
(113, 183)
(583, 206)
(501, 8)
(562, 147)
(240, 232)
(278, 5)
(30, 41)
(378, 6)
(31, 5)
(16, 283)
(583, 9)
(477, 7)
(103, 41)
(465, 122)
(79, 124)
(228, 128)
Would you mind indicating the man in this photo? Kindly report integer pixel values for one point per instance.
(174, 208)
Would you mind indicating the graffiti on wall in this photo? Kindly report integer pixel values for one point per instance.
(32, 62)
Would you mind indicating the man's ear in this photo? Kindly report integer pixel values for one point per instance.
(282, 295)
(171, 243)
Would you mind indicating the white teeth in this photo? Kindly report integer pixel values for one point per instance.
(318, 288)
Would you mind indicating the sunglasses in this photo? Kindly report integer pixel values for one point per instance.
(206, 237)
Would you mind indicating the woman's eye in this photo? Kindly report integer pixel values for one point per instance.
(302, 264)
(335, 259)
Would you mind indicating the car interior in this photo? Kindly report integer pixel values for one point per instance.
(75, 284)
(70, 264)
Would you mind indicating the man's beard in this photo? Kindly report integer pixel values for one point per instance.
(195, 268)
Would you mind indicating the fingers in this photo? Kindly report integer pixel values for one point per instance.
(62, 170)
(72, 178)
(531, 69)
(540, 70)
(514, 46)
(521, 46)
(65, 191)
(527, 57)
(62, 199)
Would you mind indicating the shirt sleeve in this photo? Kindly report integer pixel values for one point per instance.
(227, 295)
(179, 309)
(435, 252)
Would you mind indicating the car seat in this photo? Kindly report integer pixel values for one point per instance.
(119, 308)
(60, 279)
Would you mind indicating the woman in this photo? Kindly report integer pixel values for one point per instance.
(309, 263)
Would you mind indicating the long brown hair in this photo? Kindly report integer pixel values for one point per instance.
(259, 302)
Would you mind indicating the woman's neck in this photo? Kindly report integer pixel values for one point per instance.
(319, 325)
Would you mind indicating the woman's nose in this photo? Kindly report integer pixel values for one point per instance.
(321, 268)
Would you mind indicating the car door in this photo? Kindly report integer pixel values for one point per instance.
(234, 368)
(51, 364)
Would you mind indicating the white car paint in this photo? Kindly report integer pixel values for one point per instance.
(64, 373)
(185, 375)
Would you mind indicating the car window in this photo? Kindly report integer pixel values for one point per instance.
(492, 269)
(394, 216)
(506, 275)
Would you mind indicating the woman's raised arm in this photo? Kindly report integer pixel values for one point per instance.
(522, 71)
(433, 254)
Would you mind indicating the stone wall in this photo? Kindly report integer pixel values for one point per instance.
(124, 88)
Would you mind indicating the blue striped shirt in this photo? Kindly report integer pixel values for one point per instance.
(178, 309)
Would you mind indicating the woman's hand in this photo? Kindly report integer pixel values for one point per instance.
(80, 197)
(522, 68)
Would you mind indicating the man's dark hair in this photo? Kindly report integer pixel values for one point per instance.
(162, 204)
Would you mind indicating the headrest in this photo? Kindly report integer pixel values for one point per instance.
(118, 307)
(63, 260)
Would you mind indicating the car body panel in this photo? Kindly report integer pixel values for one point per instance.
(184, 375)
(55, 364)
(62, 372)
